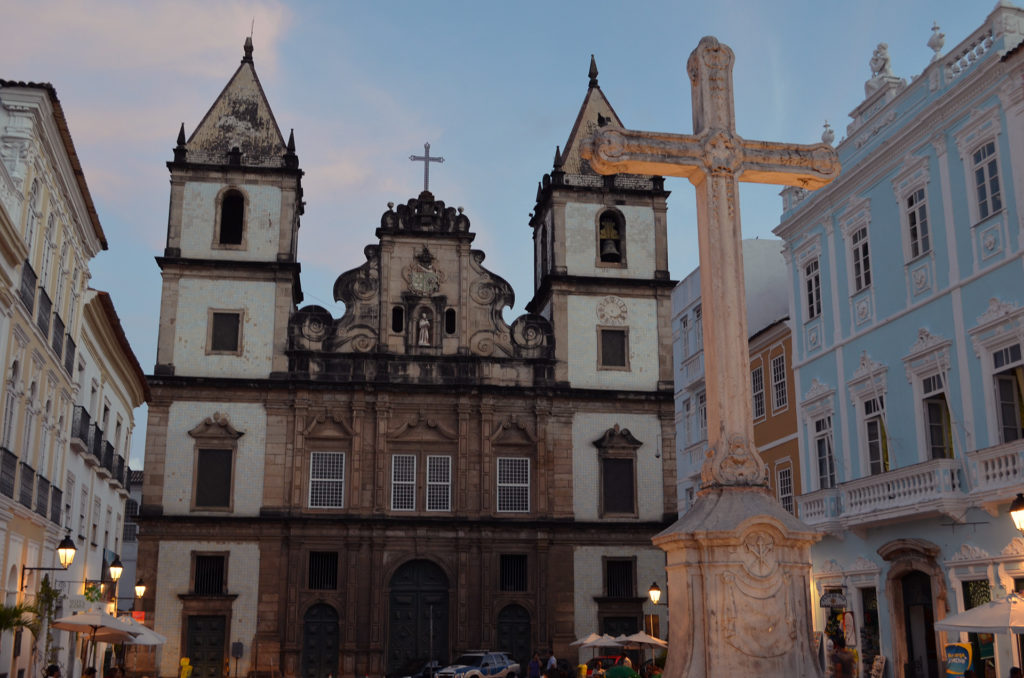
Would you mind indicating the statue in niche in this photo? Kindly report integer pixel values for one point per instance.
(423, 336)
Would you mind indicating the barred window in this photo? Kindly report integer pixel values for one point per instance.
(403, 482)
(209, 575)
(619, 579)
(327, 480)
(513, 484)
(323, 570)
(439, 483)
(513, 572)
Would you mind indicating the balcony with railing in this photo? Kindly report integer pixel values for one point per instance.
(42, 495)
(69, 355)
(106, 467)
(57, 341)
(117, 474)
(43, 313)
(56, 504)
(27, 289)
(8, 471)
(985, 478)
(81, 423)
(693, 368)
(27, 485)
(95, 449)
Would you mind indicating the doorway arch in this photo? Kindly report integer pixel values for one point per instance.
(320, 642)
(417, 615)
(916, 589)
(514, 633)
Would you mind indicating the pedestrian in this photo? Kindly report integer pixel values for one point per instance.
(598, 669)
(52, 671)
(552, 664)
(533, 669)
(842, 659)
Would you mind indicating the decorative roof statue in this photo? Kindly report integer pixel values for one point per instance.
(936, 41)
(828, 136)
(880, 61)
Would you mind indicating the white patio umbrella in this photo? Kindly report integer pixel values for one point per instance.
(588, 639)
(1005, 615)
(100, 627)
(144, 634)
(603, 641)
(645, 639)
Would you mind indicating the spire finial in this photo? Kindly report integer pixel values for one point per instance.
(247, 59)
(181, 135)
(558, 157)
(593, 72)
(291, 141)
(180, 152)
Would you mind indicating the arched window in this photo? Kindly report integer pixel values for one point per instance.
(449, 321)
(397, 320)
(10, 405)
(232, 218)
(33, 214)
(30, 420)
(611, 238)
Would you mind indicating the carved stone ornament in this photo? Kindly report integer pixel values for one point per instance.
(970, 552)
(816, 390)
(831, 566)
(756, 622)
(862, 564)
(612, 310)
(617, 438)
(733, 463)
(422, 277)
(926, 341)
(758, 554)
(217, 426)
(867, 367)
(996, 310)
(1015, 547)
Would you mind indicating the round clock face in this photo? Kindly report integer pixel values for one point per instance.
(611, 310)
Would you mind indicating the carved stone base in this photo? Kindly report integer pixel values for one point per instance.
(738, 588)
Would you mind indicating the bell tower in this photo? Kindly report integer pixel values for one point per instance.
(230, 275)
(601, 265)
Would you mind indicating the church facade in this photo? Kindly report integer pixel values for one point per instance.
(416, 478)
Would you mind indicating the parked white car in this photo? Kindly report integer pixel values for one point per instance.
(481, 665)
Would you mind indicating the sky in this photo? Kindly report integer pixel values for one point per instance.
(492, 86)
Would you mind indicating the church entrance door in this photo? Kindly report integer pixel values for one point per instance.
(918, 617)
(514, 633)
(417, 615)
(205, 645)
(320, 642)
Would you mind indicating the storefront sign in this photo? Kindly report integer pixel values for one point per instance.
(958, 658)
(76, 604)
(833, 599)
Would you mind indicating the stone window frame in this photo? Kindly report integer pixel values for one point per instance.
(998, 328)
(226, 555)
(914, 177)
(780, 466)
(856, 219)
(808, 253)
(620, 218)
(240, 312)
(218, 209)
(982, 127)
(600, 356)
(870, 382)
(447, 484)
(819, 404)
(214, 433)
(619, 444)
(338, 481)
(605, 560)
(928, 357)
(403, 483)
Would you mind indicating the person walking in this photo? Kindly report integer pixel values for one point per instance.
(533, 669)
(551, 665)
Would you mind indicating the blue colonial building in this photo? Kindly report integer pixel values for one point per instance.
(907, 300)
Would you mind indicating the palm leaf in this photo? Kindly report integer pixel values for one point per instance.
(18, 616)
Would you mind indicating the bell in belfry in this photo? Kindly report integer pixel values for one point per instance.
(609, 249)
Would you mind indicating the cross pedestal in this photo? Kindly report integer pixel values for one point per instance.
(738, 563)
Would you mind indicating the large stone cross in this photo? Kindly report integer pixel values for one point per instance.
(714, 158)
(426, 159)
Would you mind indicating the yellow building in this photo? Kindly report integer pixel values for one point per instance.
(69, 379)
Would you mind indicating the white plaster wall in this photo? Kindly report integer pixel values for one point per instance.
(586, 471)
(581, 241)
(248, 418)
(262, 225)
(588, 574)
(173, 577)
(195, 298)
(642, 321)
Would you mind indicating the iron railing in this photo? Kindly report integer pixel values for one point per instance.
(96, 441)
(43, 314)
(107, 460)
(57, 342)
(56, 504)
(80, 424)
(42, 496)
(27, 291)
(8, 471)
(69, 355)
(27, 484)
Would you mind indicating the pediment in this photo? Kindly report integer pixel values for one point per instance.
(420, 428)
(617, 438)
(512, 431)
(217, 426)
(327, 425)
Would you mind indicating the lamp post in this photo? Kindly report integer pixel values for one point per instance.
(1017, 512)
(65, 554)
(115, 569)
(654, 592)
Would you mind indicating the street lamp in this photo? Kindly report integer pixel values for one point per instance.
(654, 592)
(1017, 512)
(140, 588)
(65, 554)
(116, 568)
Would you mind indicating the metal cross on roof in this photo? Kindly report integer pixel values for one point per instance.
(426, 160)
